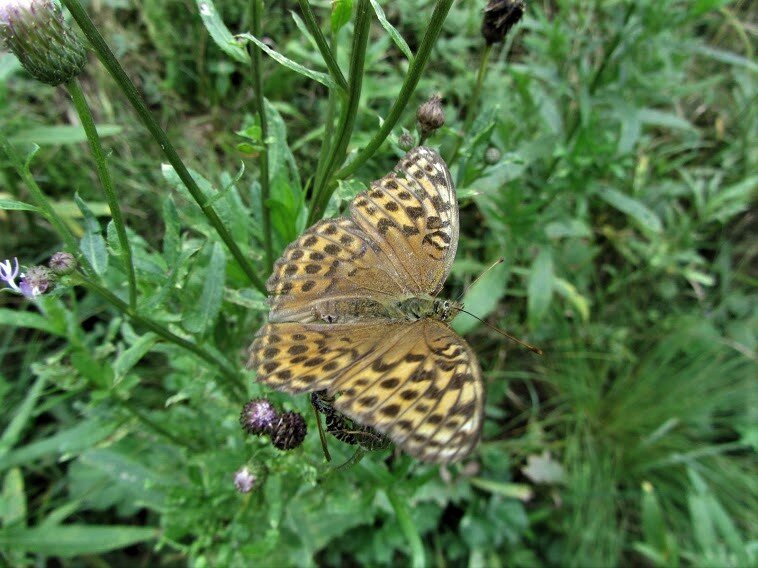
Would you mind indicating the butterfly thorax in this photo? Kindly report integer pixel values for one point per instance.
(407, 309)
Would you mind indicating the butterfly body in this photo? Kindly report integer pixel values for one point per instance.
(355, 312)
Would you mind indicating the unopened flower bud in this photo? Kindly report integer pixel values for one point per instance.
(430, 116)
(289, 431)
(62, 263)
(499, 17)
(35, 31)
(244, 480)
(35, 281)
(492, 156)
(258, 416)
(406, 141)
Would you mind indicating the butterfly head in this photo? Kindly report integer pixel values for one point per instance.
(446, 310)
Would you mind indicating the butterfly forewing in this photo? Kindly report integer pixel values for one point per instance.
(412, 213)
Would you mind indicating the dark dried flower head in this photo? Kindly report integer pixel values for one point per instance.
(244, 480)
(62, 263)
(289, 431)
(430, 116)
(35, 31)
(258, 416)
(499, 17)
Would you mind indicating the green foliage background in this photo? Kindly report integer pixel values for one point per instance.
(610, 159)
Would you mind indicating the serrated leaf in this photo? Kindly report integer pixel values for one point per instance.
(540, 286)
(92, 243)
(203, 313)
(341, 12)
(322, 78)
(635, 209)
(397, 39)
(219, 33)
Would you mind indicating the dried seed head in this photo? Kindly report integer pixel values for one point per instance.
(62, 263)
(289, 431)
(36, 281)
(430, 116)
(258, 416)
(35, 31)
(499, 17)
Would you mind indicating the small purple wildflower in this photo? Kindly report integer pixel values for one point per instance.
(8, 275)
(258, 416)
(35, 281)
(244, 480)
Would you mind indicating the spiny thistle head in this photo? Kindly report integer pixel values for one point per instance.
(35, 31)
(62, 263)
(492, 156)
(499, 17)
(430, 116)
(289, 431)
(258, 416)
(406, 141)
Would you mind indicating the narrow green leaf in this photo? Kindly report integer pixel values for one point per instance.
(519, 491)
(482, 298)
(569, 291)
(219, 33)
(92, 243)
(322, 78)
(397, 39)
(13, 506)
(665, 119)
(203, 313)
(61, 134)
(74, 540)
(727, 57)
(408, 528)
(22, 416)
(540, 287)
(341, 12)
(14, 205)
(635, 209)
(131, 356)
(31, 320)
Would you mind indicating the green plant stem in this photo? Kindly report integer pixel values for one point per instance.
(323, 47)
(473, 101)
(260, 103)
(230, 376)
(331, 109)
(349, 109)
(408, 528)
(153, 425)
(43, 203)
(85, 115)
(406, 90)
(110, 62)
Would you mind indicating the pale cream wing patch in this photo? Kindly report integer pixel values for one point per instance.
(412, 214)
(418, 383)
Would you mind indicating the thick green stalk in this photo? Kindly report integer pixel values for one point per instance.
(110, 62)
(349, 108)
(42, 202)
(323, 47)
(260, 103)
(331, 109)
(230, 376)
(406, 90)
(82, 108)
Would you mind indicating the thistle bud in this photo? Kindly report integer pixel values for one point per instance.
(499, 17)
(492, 156)
(406, 141)
(289, 431)
(62, 263)
(35, 31)
(430, 116)
(258, 417)
(244, 480)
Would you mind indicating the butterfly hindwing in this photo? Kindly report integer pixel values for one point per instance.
(419, 384)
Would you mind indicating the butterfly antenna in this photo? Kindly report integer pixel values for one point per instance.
(529, 346)
(500, 260)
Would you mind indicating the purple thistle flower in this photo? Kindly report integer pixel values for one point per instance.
(244, 480)
(8, 275)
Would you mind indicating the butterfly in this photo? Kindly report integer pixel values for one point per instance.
(354, 311)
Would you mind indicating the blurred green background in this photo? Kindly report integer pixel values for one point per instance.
(611, 160)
